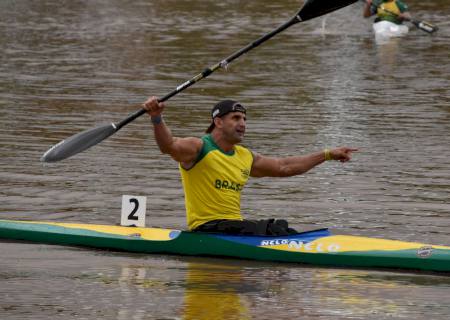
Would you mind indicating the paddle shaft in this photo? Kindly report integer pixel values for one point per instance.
(205, 73)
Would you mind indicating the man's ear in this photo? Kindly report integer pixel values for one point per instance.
(218, 122)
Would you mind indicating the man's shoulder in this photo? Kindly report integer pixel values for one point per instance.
(242, 148)
(245, 152)
(208, 143)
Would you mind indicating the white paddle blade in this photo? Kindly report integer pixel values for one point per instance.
(425, 26)
(78, 143)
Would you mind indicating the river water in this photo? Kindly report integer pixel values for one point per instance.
(67, 66)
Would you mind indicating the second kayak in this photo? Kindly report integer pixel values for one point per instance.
(386, 29)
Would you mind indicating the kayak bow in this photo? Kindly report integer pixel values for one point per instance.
(317, 247)
(386, 29)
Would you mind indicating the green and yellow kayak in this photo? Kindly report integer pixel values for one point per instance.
(317, 247)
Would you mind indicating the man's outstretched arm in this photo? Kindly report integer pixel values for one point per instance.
(290, 166)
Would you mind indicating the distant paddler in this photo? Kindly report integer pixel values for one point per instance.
(390, 17)
(394, 11)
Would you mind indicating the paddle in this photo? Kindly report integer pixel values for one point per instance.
(86, 139)
(422, 25)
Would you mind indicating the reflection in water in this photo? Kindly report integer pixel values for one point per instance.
(56, 282)
(215, 292)
(231, 289)
(136, 276)
(356, 295)
(211, 291)
(387, 54)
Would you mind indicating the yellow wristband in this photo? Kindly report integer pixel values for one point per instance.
(327, 154)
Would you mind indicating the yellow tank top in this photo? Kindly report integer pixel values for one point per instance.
(391, 8)
(212, 187)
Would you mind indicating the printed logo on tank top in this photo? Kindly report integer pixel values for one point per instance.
(227, 185)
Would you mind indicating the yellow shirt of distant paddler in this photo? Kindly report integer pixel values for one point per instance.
(390, 7)
(212, 187)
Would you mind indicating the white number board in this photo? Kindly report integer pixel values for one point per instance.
(133, 210)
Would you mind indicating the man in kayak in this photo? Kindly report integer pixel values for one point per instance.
(394, 11)
(215, 168)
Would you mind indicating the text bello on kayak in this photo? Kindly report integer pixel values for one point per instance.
(215, 168)
(394, 11)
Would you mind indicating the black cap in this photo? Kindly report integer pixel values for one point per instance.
(222, 108)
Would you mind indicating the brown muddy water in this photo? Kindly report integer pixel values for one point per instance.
(66, 66)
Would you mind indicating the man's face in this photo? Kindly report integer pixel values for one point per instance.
(233, 126)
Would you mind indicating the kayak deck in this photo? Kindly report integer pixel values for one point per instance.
(317, 247)
(387, 29)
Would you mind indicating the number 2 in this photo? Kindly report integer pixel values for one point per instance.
(131, 216)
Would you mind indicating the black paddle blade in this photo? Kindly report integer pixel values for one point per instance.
(78, 143)
(425, 26)
(316, 8)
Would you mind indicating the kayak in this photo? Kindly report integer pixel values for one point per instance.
(386, 29)
(315, 247)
